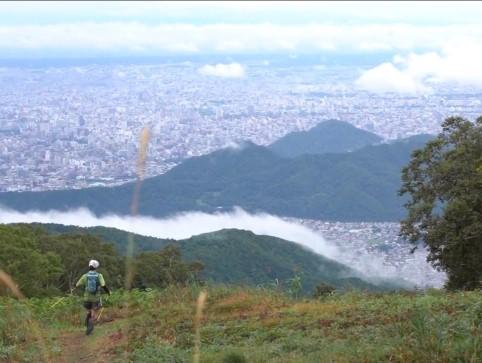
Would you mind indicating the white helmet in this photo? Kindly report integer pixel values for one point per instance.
(94, 263)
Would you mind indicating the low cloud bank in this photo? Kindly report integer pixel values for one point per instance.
(183, 225)
(127, 37)
(416, 271)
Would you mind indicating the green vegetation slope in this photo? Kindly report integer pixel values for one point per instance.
(356, 186)
(242, 257)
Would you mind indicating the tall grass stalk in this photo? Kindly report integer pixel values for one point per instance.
(130, 267)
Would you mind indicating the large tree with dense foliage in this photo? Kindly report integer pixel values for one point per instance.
(35, 272)
(444, 184)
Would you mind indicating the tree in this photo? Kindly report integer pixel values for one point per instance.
(444, 184)
(296, 285)
(164, 267)
(75, 251)
(34, 272)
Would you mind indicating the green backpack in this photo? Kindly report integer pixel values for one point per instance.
(92, 282)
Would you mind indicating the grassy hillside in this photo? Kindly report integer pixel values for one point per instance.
(330, 136)
(356, 186)
(242, 257)
(247, 325)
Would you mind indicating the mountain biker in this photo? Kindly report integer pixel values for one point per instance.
(92, 280)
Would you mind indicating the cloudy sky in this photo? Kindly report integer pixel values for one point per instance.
(240, 12)
(234, 27)
(424, 42)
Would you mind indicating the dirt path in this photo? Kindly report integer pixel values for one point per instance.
(76, 347)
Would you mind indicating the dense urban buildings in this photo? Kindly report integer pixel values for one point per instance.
(78, 126)
(376, 246)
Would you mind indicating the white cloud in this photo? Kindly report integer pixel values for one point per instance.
(387, 78)
(235, 145)
(232, 38)
(457, 63)
(373, 266)
(232, 70)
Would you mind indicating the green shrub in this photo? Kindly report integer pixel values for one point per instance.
(234, 357)
(322, 290)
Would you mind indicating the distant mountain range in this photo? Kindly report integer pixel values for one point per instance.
(238, 256)
(360, 185)
(331, 136)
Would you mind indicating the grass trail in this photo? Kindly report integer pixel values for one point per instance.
(254, 326)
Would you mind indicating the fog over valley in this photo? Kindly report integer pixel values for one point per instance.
(390, 258)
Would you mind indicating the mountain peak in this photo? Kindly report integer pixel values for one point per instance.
(330, 136)
(333, 123)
